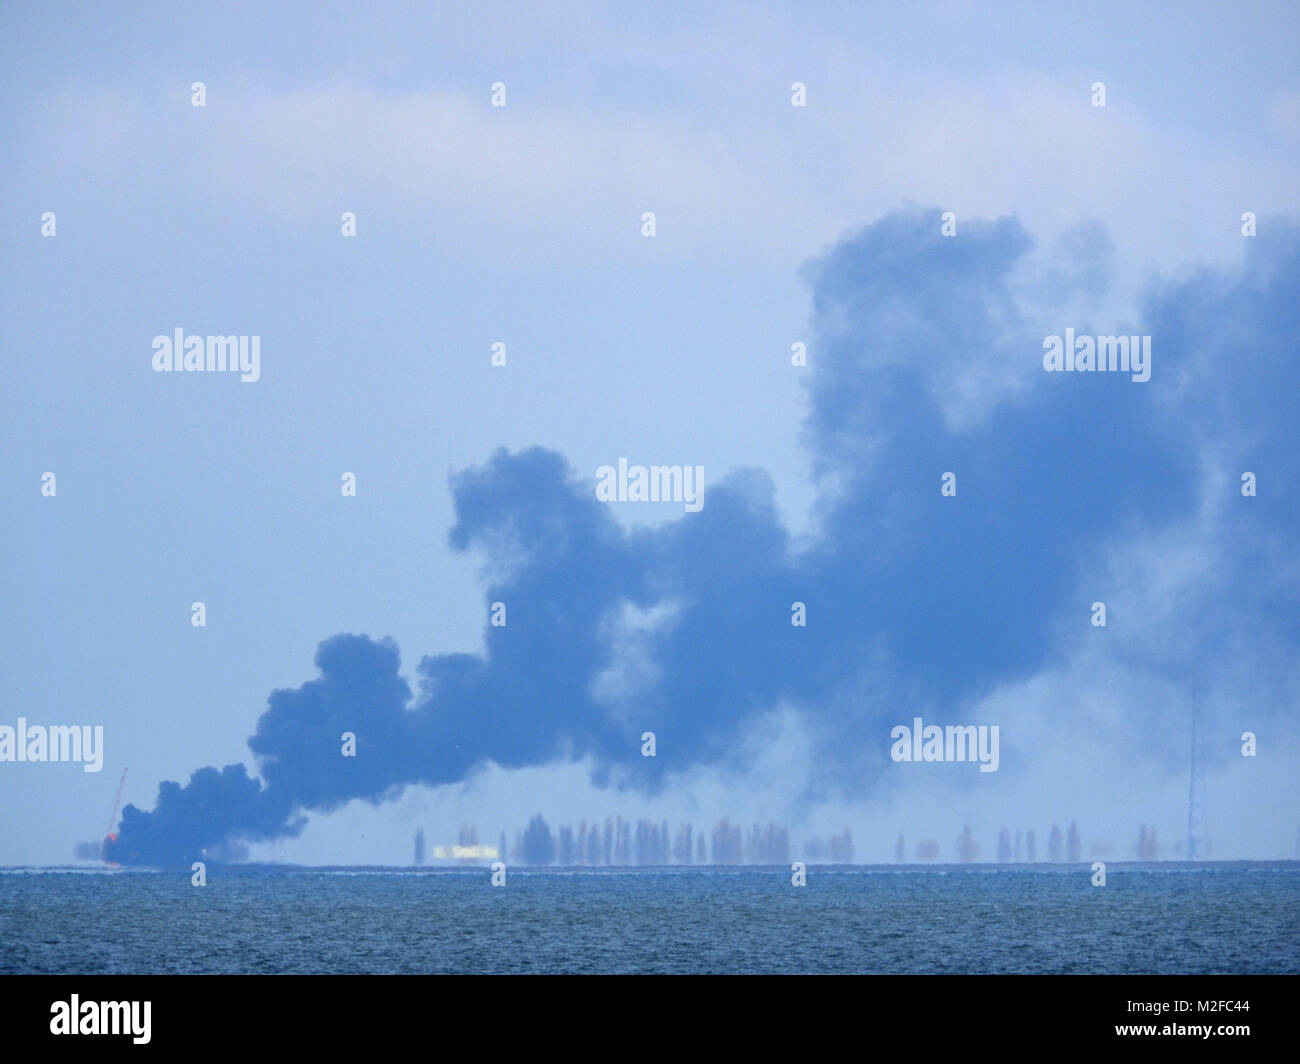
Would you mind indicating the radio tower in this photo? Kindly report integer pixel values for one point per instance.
(1196, 817)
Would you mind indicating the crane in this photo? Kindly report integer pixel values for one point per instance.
(112, 817)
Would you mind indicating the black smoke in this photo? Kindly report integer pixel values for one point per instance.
(923, 361)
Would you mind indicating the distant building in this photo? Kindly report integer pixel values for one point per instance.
(967, 848)
(927, 850)
(538, 843)
(1054, 841)
(841, 848)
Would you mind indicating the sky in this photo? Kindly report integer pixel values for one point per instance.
(775, 224)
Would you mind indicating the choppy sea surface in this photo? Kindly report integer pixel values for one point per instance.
(1232, 918)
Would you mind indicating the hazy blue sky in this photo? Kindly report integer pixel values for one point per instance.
(775, 225)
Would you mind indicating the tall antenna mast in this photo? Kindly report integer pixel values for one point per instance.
(1196, 816)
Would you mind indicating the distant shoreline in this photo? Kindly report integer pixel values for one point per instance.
(480, 867)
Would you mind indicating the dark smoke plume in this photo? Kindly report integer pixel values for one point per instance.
(921, 363)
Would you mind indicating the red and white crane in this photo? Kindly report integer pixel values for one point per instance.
(109, 835)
